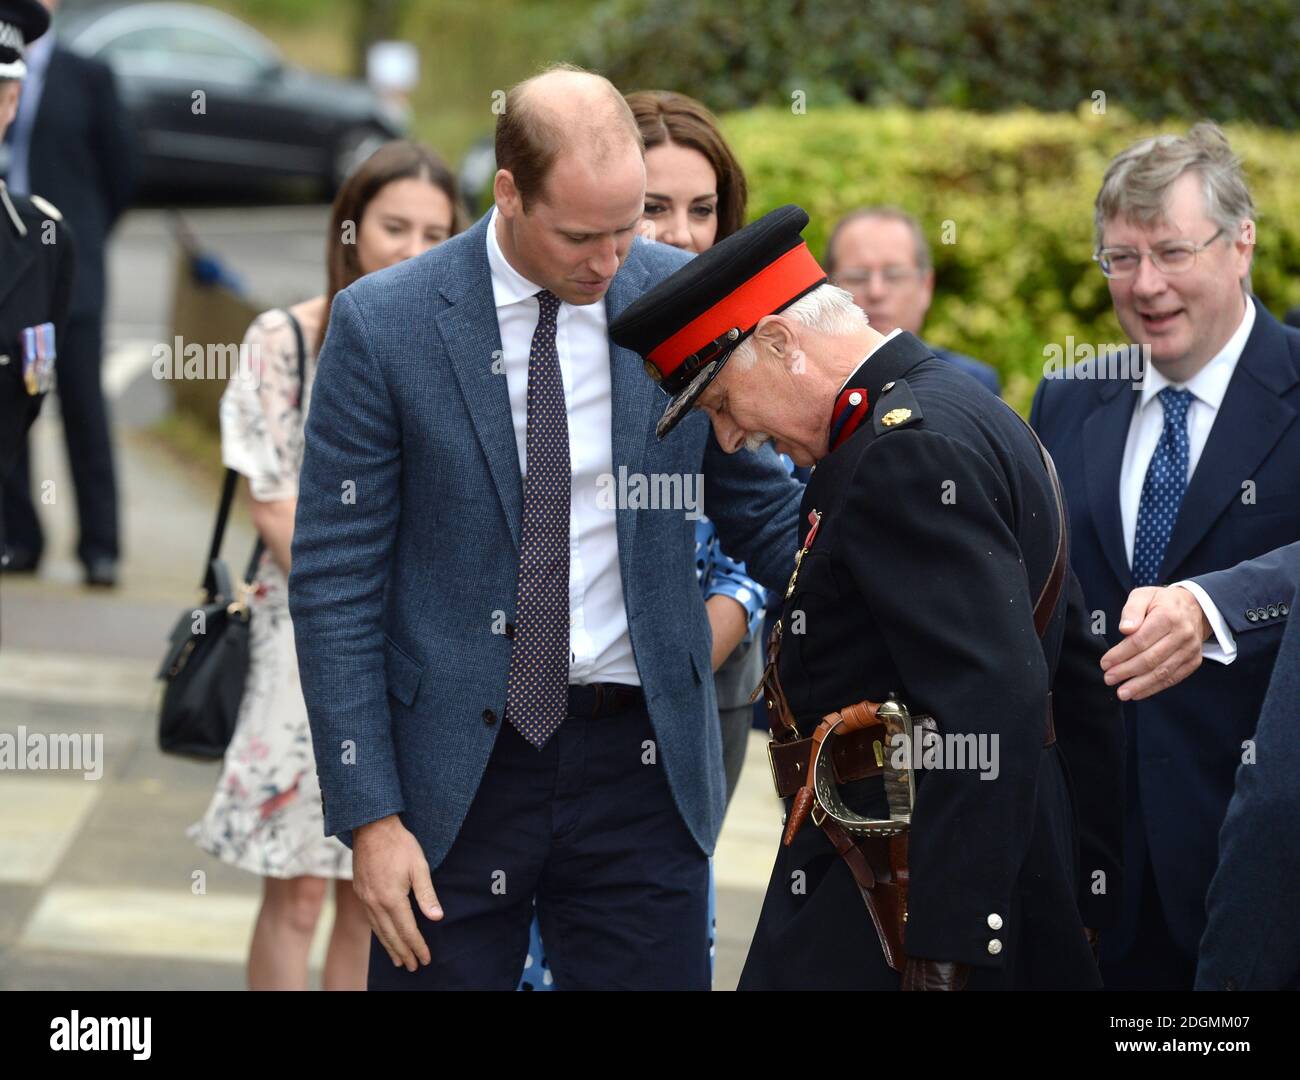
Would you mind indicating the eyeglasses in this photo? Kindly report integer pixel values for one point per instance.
(858, 280)
(1173, 258)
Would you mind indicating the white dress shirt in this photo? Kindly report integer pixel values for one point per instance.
(1208, 387)
(600, 645)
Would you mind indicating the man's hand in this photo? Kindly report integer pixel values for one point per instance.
(387, 863)
(934, 975)
(1165, 629)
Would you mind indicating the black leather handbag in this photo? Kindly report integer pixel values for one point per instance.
(206, 664)
(207, 658)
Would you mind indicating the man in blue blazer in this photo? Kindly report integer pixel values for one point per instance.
(502, 643)
(1182, 467)
(1252, 935)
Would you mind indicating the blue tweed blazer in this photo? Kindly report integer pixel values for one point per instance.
(406, 548)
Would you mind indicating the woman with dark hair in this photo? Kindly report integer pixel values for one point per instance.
(695, 195)
(265, 815)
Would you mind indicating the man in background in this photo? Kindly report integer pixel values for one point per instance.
(880, 257)
(72, 143)
(1189, 469)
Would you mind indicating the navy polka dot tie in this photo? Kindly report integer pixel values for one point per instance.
(537, 693)
(1163, 488)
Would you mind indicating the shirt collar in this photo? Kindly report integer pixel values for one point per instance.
(509, 286)
(1210, 383)
(888, 337)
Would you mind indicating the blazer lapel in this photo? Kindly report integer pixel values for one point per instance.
(471, 337)
(634, 398)
(1107, 430)
(1249, 423)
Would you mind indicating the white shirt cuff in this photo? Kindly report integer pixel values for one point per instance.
(1223, 646)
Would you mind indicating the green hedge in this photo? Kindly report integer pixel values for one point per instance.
(1230, 59)
(1019, 189)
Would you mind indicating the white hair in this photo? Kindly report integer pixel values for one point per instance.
(826, 310)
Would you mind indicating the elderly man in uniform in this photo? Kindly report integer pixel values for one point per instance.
(36, 261)
(931, 609)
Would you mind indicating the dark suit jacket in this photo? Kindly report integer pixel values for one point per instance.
(82, 160)
(1184, 744)
(984, 374)
(1254, 597)
(1252, 938)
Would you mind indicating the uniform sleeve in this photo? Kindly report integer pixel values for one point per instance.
(940, 571)
(261, 427)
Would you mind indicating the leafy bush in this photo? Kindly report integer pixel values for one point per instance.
(1018, 189)
(1230, 59)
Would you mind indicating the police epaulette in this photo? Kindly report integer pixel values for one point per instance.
(896, 407)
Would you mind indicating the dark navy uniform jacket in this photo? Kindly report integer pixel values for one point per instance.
(35, 288)
(938, 531)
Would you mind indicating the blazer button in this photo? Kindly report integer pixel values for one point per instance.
(1273, 611)
(995, 921)
(489, 717)
(995, 947)
(1252, 615)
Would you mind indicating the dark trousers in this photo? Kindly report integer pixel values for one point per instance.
(1149, 959)
(90, 451)
(587, 827)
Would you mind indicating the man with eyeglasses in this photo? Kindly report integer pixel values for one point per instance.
(1188, 469)
(879, 256)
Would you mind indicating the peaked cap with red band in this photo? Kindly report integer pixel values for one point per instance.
(688, 325)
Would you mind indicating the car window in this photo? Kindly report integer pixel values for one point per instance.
(181, 51)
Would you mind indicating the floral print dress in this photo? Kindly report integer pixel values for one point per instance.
(265, 815)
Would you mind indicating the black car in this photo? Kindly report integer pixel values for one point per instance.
(217, 109)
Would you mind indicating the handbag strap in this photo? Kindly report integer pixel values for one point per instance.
(232, 476)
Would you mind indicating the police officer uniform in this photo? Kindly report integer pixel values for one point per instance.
(36, 268)
(929, 531)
